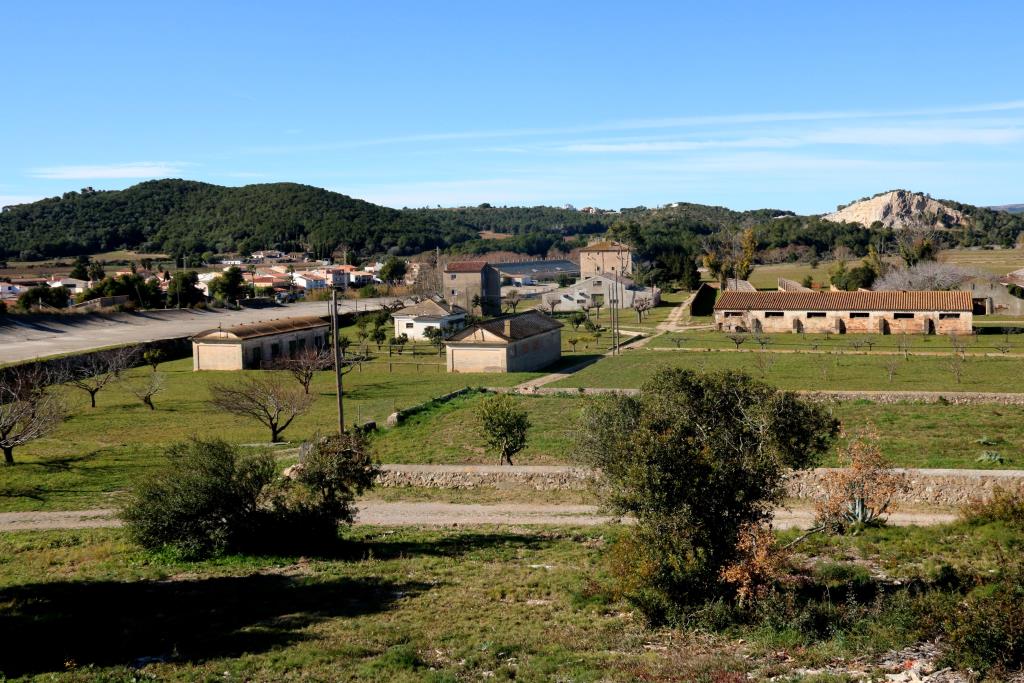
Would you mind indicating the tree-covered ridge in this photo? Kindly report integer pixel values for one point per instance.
(181, 216)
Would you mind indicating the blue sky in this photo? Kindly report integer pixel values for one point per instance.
(797, 105)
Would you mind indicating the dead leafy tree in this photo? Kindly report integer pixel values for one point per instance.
(147, 387)
(306, 363)
(861, 492)
(27, 409)
(95, 371)
(264, 398)
(760, 563)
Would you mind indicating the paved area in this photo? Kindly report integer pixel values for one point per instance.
(28, 337)
(444, 514)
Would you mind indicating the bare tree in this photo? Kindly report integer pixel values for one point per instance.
(27, 409)
(641, 305)
(264, 398)
(553, 302)
(892, 364)
(925, 276)
(737, 339)
(764, 362)
(304, 365)
(903, 344)
(95, 371)
(145, 388)
(956, 366)
(512, 300)
(762, 340)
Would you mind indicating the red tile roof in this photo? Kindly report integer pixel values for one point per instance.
(465, 267)
(844, 301)
(519, 326)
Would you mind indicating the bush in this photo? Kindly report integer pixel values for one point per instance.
(211, 498)
(986, 632)
(204, 501)
(1003, 506)
(695, 458)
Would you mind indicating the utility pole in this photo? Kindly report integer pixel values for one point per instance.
(337, 357)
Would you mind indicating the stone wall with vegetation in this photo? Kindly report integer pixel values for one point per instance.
(947, 488)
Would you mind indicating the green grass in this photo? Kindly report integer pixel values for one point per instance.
(97, 453)
(811, 371)
(910, 434)
(434, 605)
(985, 343)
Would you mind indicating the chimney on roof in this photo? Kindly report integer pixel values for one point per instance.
(508, 327)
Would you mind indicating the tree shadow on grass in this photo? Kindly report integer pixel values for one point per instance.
(450, 545)
(45, 626)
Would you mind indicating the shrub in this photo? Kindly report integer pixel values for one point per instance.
(204, 501)
(695, 458)
(1003, 506)
(986, 632)
(504, 426)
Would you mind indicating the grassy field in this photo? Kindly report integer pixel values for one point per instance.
(95, 453)
(812, 370)
(990, 342)
(437, 605)
(910, 434)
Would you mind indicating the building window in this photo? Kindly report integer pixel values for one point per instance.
(453, 276)
(816, 314)
(257, 355)
(733, 314)
(902, 316)
(949, 316)
(773, 314)
(453, 292)
(275, 350)
(293, 345)
(409, 326)
(859, 314)
(302, 344)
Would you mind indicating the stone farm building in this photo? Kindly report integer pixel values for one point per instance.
(513, 343)
(606, 256)
(465, 279)
(845, 312)
(256, 345)
(413, 321)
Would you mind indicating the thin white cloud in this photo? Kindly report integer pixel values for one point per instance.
(13, 199)
(136, 169)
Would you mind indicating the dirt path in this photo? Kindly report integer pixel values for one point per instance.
(442, 514)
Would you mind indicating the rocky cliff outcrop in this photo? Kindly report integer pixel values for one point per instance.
(899, 209)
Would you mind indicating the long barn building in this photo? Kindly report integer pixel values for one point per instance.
(845, 312)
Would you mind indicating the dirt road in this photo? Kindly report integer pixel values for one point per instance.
(442, 514)
(24, 337)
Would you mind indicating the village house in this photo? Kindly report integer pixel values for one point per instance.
(310, 281)
(845, 312)
(73, 285)
(464, 280)
(513, 343)
(257, 345)
(606, 256)
(413, 321)
(601, 290)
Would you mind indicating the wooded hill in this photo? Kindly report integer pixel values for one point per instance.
(189, 217)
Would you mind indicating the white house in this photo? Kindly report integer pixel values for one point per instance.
(9, 291)
(414, 320)
(309, 281)
(73, 285)
(601, 289)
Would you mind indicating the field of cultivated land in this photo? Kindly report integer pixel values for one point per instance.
(828, 371)
(524, 604)
(909, 434)
(97, 452)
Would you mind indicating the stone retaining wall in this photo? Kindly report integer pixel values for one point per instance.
(880, 397)
(396, 418)
(948, 488)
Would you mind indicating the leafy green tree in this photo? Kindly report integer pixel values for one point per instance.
(393, 270)
(577, 318)
(183, 290)
(230, 286)
(435, 336)
(140, 291)
(695, 459)
(379, 336)
(504, 426)
(80, 269)
(96, 272)
(53, 297)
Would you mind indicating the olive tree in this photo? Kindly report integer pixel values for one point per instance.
(695, 459)
(504, 426)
